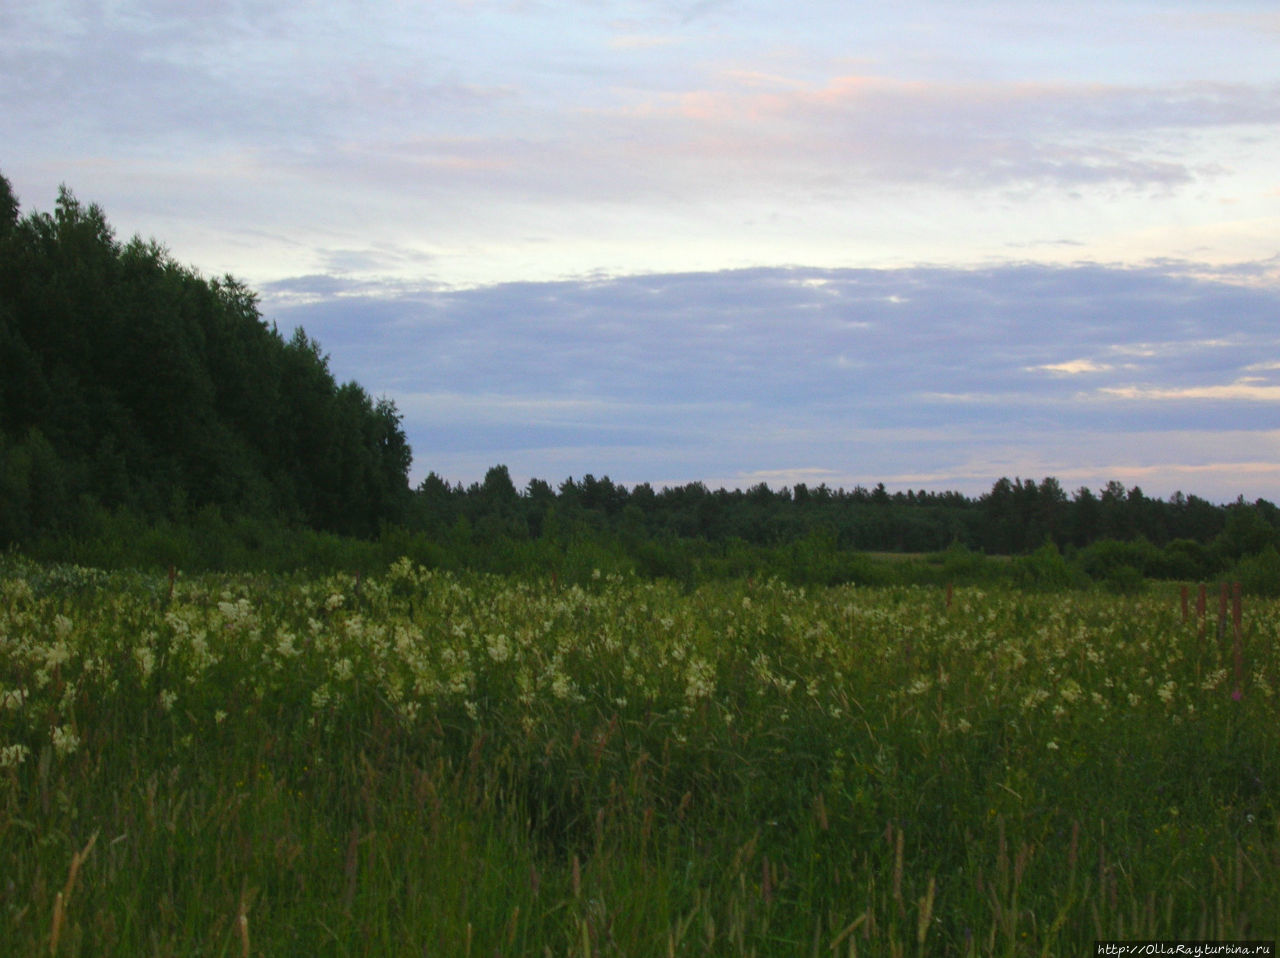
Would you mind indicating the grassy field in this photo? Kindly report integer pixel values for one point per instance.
(423, 763)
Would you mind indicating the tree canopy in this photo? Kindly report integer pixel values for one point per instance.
(131, 382)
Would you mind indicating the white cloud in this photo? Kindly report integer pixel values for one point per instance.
(531, 141)
(737, 376)
(1075, 367)
(561, 231)
(1239, 391)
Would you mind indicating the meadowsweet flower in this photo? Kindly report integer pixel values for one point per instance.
(320, 698)
(65, 740)
(56, 654)
(284, 645)
(11, 756)
(499, 648)
(17, 592)
(237, 612)
(1034, 698)
(921, 685)
(1261, 684)
(167, 698)
(561, 686)
(12, 699)
(1213, 680)
(700, 678)
(1166, 691)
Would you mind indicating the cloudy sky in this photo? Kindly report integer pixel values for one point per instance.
(925, 244)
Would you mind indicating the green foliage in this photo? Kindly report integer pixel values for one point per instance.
(422, 761)
(1259, 574)
(1047, 569)
(1116, 560)
(823, 536)
(133, 383)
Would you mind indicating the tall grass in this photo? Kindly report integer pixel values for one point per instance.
(427, 763)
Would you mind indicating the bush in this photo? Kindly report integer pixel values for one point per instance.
(1259, 574)
(1046, 569)
(1110, 560)
(1184, 559)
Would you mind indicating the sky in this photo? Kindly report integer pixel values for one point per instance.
(926, 244)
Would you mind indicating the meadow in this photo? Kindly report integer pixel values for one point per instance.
(436, 763)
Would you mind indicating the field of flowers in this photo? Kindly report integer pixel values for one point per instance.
(425, 763)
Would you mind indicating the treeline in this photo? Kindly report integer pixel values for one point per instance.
(1016, 516)
(133, 386)
(821, 534)
(149, 416)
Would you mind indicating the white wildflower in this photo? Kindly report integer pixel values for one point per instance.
(320, 698)
(1213, 680)
(145, 656)
(499, 648)
(699, 679)
(65, 740)
(921, 685)
(561, 685)
(11, 756)
(1034, 698)
(12, 699)
(284, 645)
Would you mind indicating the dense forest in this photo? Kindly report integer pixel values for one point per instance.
(150, 415)
(132, 383)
